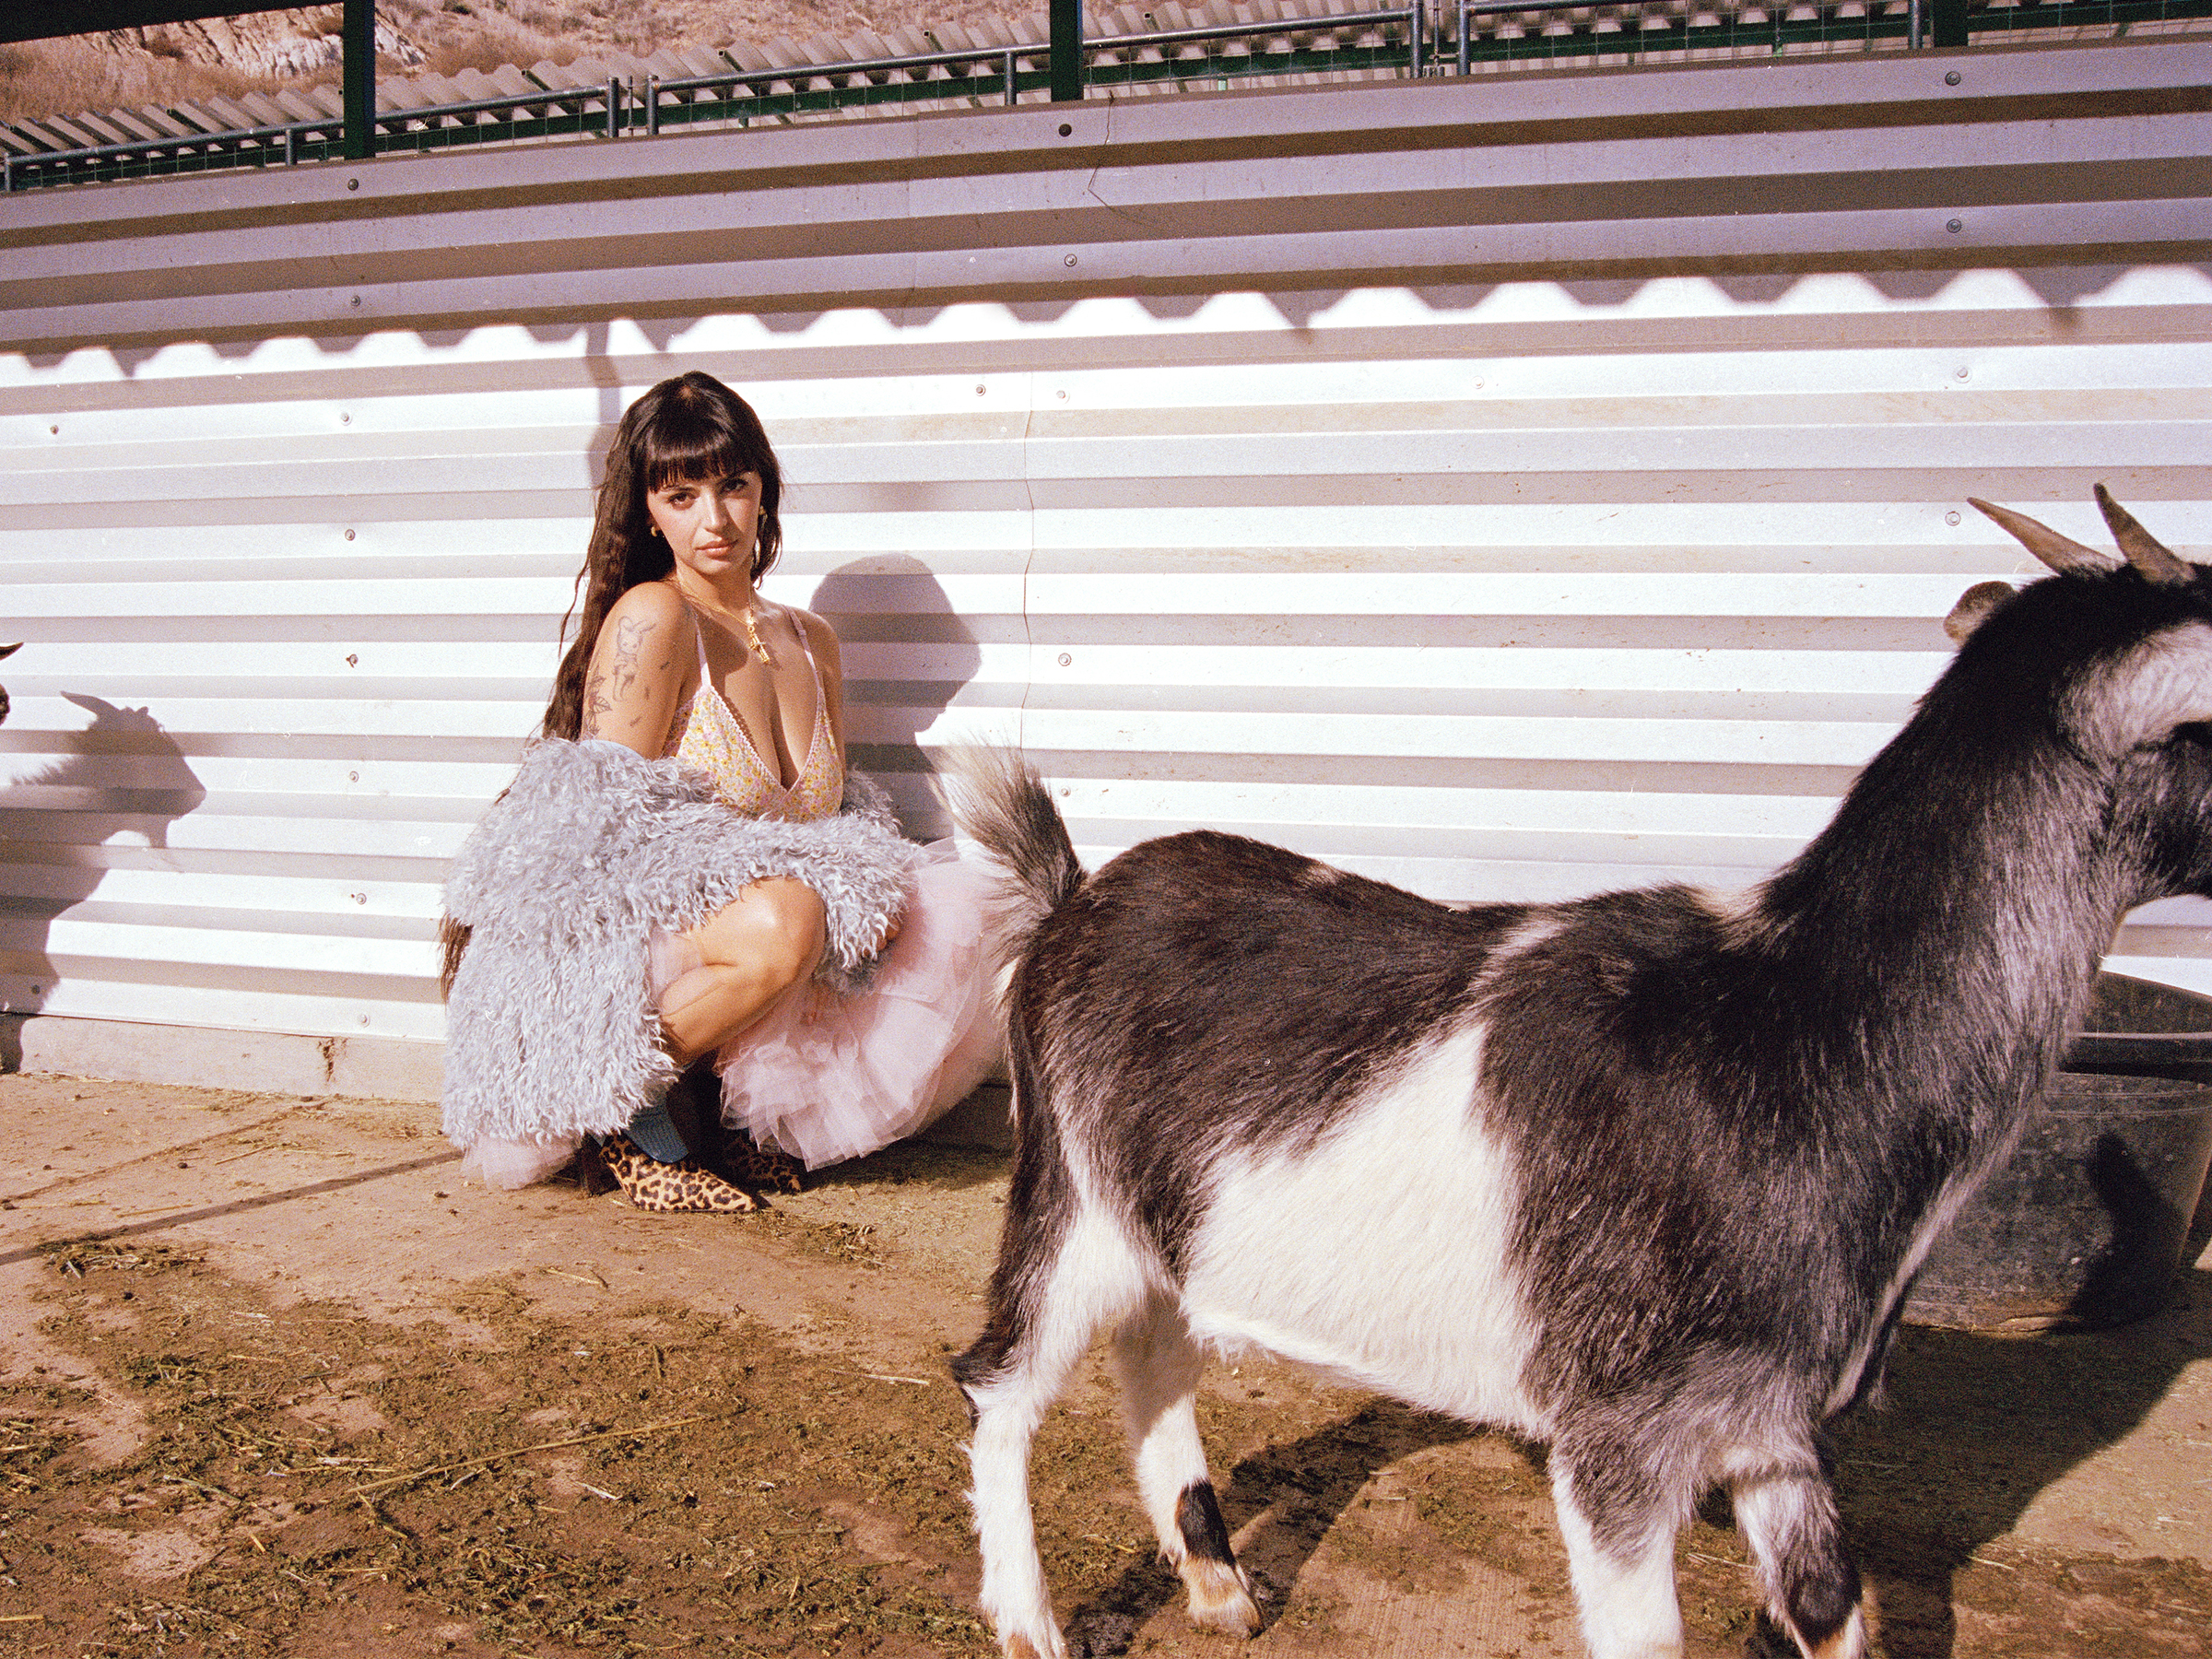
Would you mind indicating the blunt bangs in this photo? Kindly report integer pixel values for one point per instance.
(694, 439)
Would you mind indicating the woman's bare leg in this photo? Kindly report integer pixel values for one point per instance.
(754, 949)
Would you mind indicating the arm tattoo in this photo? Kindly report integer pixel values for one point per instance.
(629, 639)
(621, 678)
(597, 705)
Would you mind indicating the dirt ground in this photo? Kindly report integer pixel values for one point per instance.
(274, 1382)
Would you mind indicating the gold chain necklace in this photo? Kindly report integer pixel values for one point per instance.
(748, 620)
(752, 637)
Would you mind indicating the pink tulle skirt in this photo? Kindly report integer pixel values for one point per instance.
(827, 1075)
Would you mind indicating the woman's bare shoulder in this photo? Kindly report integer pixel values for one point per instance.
(819, 634)
(653, 606)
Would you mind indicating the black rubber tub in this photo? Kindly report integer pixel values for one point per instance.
(2087, 1223)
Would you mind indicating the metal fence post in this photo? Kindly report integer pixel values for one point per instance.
(1068, 51)
(358, 38)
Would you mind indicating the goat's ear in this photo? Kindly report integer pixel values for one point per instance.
(2062, 553)
(2152, 561)
(1975, 607)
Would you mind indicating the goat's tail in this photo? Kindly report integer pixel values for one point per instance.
(1004, 805)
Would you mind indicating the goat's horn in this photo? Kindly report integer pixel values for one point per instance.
(2062, 553)
(2155, 563)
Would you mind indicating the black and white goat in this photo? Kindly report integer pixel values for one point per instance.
(1644, 1176)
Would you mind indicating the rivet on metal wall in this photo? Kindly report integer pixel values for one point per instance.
(348, 536)
(353, 777)
(1951, 519)
(344, 421)
(979, 390)
(360, 898)
(1066, 131)
(1952, 78)
(1954, 226)
(1065, 660)
(353, 183)
(1071, 260)
(355, 301)
(352, 661)
(55, 431)
(1960, 373)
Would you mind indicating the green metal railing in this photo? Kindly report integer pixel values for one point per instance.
(1397, 40)
(1778, 27)
(620, 107)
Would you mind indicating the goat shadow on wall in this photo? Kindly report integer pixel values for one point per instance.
(123, 777)
(893, 609)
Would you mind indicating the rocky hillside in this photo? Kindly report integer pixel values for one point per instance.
(260, 52)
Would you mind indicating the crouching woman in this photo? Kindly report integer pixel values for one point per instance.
(684, 867)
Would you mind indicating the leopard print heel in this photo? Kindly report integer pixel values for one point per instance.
(688, 1187)
(768, 1168)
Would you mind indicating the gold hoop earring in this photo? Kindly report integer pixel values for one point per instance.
(653, 530)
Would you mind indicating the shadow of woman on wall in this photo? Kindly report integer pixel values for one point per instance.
(907, 657)
(105, 802)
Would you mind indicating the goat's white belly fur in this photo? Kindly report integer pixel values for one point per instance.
(1378, 1253)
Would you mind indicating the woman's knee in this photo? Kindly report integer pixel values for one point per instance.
(796, 928)
(776, 929)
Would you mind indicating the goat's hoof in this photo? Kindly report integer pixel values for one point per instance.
(1848, 1642)
(1220, 1600)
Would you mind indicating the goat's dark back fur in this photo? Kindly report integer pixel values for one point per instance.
(1356, 975)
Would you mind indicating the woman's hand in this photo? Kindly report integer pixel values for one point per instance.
(638, 670)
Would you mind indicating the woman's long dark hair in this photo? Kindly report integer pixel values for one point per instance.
(691, 427)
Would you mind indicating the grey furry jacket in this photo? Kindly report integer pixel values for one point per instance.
(550, 1032)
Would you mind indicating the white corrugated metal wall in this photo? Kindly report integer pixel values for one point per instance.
(1512, 490)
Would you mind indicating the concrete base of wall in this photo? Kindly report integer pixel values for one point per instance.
(388, 1068)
